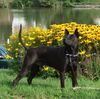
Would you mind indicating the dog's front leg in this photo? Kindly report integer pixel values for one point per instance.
(74, 75)
(62, 79)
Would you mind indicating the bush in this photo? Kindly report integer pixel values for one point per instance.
(21, 4)
(89, 43)
(68, 3)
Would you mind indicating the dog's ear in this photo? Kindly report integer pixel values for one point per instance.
(64, 39)
(66, 32)
(76, 33)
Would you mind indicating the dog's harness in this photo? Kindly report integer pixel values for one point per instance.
(72, 56)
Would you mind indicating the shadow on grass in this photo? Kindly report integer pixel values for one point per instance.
(25, 84)
(43, 85)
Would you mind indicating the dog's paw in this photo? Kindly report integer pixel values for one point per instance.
(14, 84)
(75, 88)
(29, 81)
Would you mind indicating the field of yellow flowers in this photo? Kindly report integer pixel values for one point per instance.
(89, 47)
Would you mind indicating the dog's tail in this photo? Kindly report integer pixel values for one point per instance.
(20, 37)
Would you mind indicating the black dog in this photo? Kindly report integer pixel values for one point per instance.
(62, 58)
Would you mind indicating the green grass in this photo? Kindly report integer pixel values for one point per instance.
(45, 88)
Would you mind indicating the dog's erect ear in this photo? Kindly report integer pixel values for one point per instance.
(76, 33)
(66, 32)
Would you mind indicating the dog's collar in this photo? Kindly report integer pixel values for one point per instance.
(72, 55)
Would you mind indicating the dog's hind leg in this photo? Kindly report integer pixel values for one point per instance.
(34, 71)
(28, 61)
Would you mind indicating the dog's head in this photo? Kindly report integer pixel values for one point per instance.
(71, 40)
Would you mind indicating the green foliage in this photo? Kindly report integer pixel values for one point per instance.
(48, 3)
(31, 3)
(67, 3)
(22, 3)
(50, 72)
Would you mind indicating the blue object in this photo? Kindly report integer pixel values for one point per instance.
(3, 61)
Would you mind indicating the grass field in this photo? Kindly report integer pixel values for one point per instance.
(45, 88)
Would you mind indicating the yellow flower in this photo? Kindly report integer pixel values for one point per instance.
(16, 49)
(49, 42)
(42, 41)
(31, 38)
(8, 57)
(27, 44)
(46, 68)
(9, 49)
(88, 55)
(82, 52)
(19, 43)
(87, 41)
(80, 37)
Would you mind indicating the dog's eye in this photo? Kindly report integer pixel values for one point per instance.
(70, 38)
